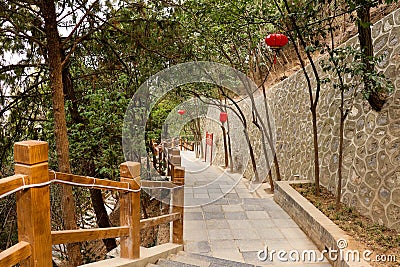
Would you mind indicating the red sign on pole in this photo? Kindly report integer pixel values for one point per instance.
(209, 139)
(209, 142)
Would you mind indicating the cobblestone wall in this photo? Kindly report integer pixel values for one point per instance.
(372, 139)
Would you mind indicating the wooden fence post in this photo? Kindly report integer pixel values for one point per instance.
(33, 204)
(178, 204)
(130, 210)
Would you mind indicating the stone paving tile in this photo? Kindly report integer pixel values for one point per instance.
(217, 224)
(265, 224)
(244, 234)
(252, 207)
(212, 208)
(198, 247)
(285, 223)
(270, 234)
(226, 244)
(213, 215)
(239, 215)
(245, 245)
(228, 254)
(239, 224)
(293, 233)
(192, 216)
(231, 208)
(257, 214)
(201, 195)
(220, 234)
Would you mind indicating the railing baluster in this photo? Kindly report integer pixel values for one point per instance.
(33, 204)
(130, 210)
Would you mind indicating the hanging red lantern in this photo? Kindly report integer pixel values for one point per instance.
(181, 111)
(223, 117)
(276, 41)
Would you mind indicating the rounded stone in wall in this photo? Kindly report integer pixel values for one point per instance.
(360, 123)
(394, 113)
(394, 36)
(396, 196)
(355, 112)
(346, 198)
(393, 213)
(394, 126)
(388, 22)
(385, 141)
(380, 132)
(359, 166)
(370, 122)
(390, 71)
(335, 144)
(396, 95)
(392, 180)
(360, 138)
(380, 42)
(383, 118)
(384, 165)
(349, 129)
(361, 152)
(372, 179)
(371, 162)
(376, 30)
(396, 16)
(366, 195)
(354, 179)
(356, 203)
(333, 109)
(372, 145)
(393, 146)
(385, 54)
(378, 213)
(384, 195)
(396, 158)
(333, 163)
(352, 188)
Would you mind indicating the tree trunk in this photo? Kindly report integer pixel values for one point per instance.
(102, 216)
(316, 154)
(54, 62)
(375, 99)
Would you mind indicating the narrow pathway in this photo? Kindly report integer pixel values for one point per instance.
(223, 219)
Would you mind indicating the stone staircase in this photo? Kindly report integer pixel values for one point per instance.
(186, 259)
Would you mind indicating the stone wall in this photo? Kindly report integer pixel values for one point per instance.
(372, 139)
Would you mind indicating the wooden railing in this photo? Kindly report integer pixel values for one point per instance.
(31, 183)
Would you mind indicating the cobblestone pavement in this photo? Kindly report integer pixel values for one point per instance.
(237, 223)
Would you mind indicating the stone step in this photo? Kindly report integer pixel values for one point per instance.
(171, 263)
(182, 257)
(214, 262)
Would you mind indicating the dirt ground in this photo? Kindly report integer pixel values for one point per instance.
(372, 236)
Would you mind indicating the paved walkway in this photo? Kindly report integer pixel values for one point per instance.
(237, 223)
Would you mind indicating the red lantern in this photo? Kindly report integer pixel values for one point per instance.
(181, 111)
(276, 41)
(223, 117)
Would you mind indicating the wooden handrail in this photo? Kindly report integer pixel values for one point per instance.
(33, 207)
(15, 254)
(149, 184)
(145, 223)
(86, 180)
(11, 183)
(80, 235)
